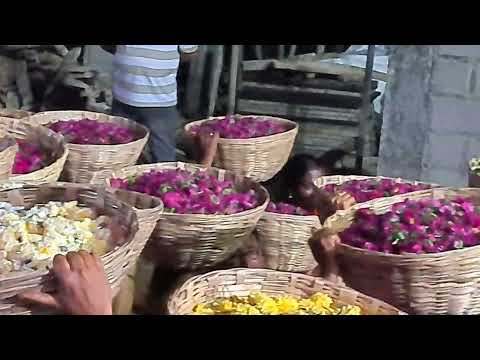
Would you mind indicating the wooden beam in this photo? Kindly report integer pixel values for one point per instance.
(217, 67)
(297, 111)
(232, 85)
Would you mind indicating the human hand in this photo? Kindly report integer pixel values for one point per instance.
(82, 286)
(324, 244)
(208, 147)
(343, 201)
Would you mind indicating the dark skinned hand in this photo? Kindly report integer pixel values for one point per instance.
(82, 286)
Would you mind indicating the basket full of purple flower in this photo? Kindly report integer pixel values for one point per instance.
(367, 189)
(40, 152)
(283, 233)
(416, 251)
(208, 213)
(253, 146)
(95, 141)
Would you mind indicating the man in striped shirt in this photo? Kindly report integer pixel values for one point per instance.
(145, 90)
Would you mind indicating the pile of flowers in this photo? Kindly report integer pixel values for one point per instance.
(262, 304)
(93, 132)
(29, 158)
(287, 209)
(474, 165)
(416, 226)
(30, 238)
(369, 189)
(244, 127)
(185, 192)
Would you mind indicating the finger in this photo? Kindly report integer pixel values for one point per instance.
(61, 267)
(39, 298)
(88, 258)
(75, 261)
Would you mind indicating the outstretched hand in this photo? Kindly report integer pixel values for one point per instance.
(82, 286)
(207, 142)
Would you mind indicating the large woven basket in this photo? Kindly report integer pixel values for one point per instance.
(258, 158)
(14, 114)
(284, 241)
(340, 179)
(195, 241)
(8, 150)
(117, 262)
(84, 160)
(206, 288)
(47, 140)
(442, 283)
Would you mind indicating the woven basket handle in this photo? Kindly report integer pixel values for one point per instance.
(324, 246)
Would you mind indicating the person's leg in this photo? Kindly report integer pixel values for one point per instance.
(135, 114)
(163, 123)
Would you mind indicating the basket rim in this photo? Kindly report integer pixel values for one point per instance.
(90, 146)
(289, 216)
(39, 184)
(63, 156)
(180, 288)
(272, 137)
(177, 164)
(407, 256)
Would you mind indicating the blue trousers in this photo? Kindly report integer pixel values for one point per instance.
(162, 123)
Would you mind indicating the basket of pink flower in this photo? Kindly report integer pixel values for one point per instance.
(283, 233)
(95, 141)
(40, 155)
(367, 189)
(253, 146)
(208, 213)
(416, 251)
(8, 149)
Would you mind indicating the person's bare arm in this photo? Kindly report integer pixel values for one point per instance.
(82, 286)
(109, 48)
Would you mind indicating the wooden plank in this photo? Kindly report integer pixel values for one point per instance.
(293, 88)
(195, 81)
(232, 85)
(302, 96)
(217, 66)
(296, 111)
(312, 65)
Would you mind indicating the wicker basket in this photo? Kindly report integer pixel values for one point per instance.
(442, 283)
(258, 158)
(84, 160)
(206, 288)
(284, 241)
(8, 150)
(117, 262)
(48, 141)
(14, 114)
(193, 242)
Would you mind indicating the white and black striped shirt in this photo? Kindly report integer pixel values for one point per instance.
(146, 75)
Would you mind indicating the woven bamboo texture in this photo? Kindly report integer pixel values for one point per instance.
(197, 241)
(206, 288)
(258, 158)
(117, 262)
(14, 114)
(426, 284)
(284, 241)
(340, 179)
(8, 150)
(84, 160)
(47, 140)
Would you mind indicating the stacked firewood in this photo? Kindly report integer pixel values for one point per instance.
(49, 77)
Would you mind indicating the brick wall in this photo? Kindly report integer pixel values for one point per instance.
(445, 113)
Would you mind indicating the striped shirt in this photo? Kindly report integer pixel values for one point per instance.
(146, 75)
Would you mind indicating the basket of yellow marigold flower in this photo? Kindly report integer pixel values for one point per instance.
(270, 292)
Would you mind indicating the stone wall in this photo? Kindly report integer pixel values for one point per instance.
(431, 122)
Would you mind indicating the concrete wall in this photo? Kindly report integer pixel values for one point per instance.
(431, 122)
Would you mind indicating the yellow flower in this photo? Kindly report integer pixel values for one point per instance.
(201, 309)
(287, 305)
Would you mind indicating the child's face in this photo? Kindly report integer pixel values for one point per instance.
(306, 185)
